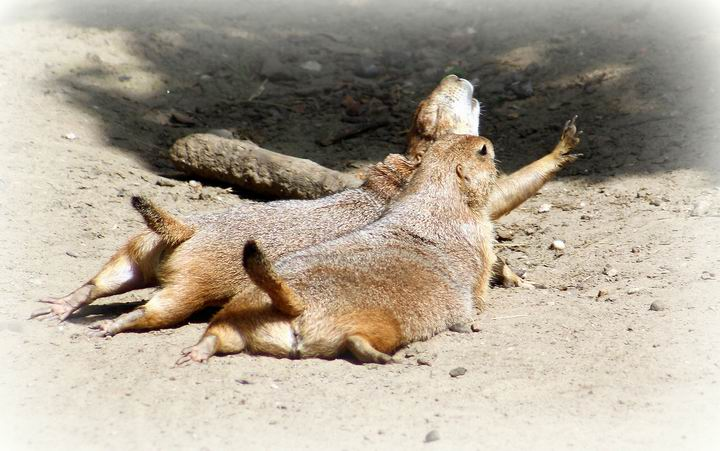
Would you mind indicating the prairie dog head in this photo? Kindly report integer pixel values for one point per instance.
(463, 161)
(449, 109)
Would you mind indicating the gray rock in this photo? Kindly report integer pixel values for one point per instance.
(457, 372)
(221, 132)
(658, 306)
(274, 70)
(460, 328)
(368, 70)
(432, 436)
(700, 208)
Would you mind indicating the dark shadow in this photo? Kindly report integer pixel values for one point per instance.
(98, 312)
(638, 75)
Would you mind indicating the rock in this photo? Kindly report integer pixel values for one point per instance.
(504, 234)
(522, 89)
(461, 328)
(165, 182)
(700, 208)
(602, 293)
(707, 275)
(544, 208)
(352, 107)
(424, 361)
(311, 66)
(610, 271)
(658, 306)
(72, 254)
(457, 372)
(221, 132)
(432, 436)
(181, 118)
(274, 70)
(558, 245)
(475, 327)
(368, 70)
(124, 78)
(70, 136)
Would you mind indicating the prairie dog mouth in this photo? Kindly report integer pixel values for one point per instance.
(454, 99)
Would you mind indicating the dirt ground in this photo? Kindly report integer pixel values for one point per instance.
(555, 368)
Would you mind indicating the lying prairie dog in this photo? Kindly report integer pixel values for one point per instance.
(400, 279)
(194, 260)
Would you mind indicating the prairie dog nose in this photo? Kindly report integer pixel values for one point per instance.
(467, 84)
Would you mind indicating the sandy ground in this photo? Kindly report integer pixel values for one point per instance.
(554, 368)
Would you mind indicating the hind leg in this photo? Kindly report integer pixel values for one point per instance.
(168, 307)
(219, 338)
(248, 322)
(132, 267)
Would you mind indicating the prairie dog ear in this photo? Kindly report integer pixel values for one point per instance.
(460, 171)
(426, 119)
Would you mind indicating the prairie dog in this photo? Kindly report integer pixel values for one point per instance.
(195, 259)
(400, 279)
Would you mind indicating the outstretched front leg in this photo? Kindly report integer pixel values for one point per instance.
(504, 276)
(514, 189)
(131, 268)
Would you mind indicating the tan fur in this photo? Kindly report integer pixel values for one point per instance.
(401, 279)
(513, 190)
(197, 258)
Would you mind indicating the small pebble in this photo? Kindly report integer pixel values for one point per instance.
(707, 275)
(504, 235)
(460, 328)
(72, 254)
(71, 136)
(610, 271)
(368, 71)
(432, 436)
(658, 306)
(165, 182)
(475, 327)
(544, 208)
(558, 245)
(195, 184)
(423, 361)
(311, 66)
(700, 208)
(457, 372)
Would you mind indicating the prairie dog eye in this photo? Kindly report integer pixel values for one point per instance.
(483, 150)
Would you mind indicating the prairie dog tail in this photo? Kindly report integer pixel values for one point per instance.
(263, 274)
(171, 230)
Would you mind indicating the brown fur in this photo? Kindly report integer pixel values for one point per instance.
(195, 260)
(400, 279)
